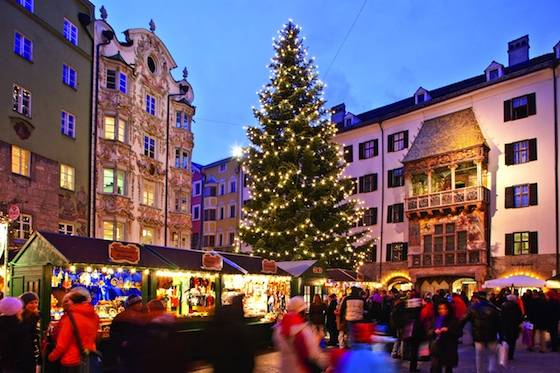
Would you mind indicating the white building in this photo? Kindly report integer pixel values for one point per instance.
(462, 180)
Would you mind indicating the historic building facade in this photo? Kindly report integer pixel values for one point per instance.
(45, 88)
(461, 182)
(143, 140)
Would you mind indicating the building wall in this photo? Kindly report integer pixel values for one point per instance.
(163, 217)
(41, 133)
(197, 203)
(487, 104)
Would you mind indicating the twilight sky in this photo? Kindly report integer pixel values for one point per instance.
(393, 48)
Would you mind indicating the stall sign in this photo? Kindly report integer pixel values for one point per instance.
(212, 261)
(13, 212)
(317, 270)
(269, 266)
(121, 253)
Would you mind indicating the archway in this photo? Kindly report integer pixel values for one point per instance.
(466, 284)
(399, 283)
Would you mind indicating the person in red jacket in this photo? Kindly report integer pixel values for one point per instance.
(87, 323)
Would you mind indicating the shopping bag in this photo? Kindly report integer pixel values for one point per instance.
(503, 353)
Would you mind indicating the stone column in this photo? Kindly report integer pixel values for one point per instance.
(478, 173)
(429, 181)
(453, 168)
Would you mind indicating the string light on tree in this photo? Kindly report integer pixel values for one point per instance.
(301, 205)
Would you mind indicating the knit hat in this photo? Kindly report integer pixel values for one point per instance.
(297, 304)
(28, 297)
(10, 306)
(132, 300)
(79, 290)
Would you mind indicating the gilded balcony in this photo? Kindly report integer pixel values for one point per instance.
(477, 196)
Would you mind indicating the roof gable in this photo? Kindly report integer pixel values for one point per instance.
(444, 134)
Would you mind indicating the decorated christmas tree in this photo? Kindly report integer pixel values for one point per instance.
(300, 205)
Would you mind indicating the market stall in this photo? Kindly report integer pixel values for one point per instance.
(266, 288)
(519, 281)
(51, 264)
(340, 280)
(192, 288)
(309, 278)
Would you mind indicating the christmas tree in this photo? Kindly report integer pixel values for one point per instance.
(300, 205)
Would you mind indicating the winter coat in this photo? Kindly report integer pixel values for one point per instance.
(298, 346)
(128, 339)
(331, 314)
(511, 319)
(31, 323)
(352, 308)
(317, 313)
(398, 316)
(542, 314)
(485, 319)
(443, 347)
(16, 346)
(87, 323)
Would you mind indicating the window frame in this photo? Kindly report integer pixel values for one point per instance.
(20, 48)
(398, 142)
(150, 104)
(143, 235)
(149, 146)
(119, 133)
(196, 208)
(149, 193)
(123, 88)
(521, 195)
(67, 33)
(115, 183)
(232, 211)
(197, 188)
(68, 124)
(63, 228)
(371, 182)
(182, 158)
(67, 177)
(116, 228)
(396, 181)
(18, 103)
(67, 72)
(23, 159)
(27, 4)
(20, 233)
(181, 202)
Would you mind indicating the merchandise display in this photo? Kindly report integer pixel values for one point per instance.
(264, 296)
(187, 294)
(342, 288)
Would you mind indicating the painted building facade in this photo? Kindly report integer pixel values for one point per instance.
(196, 206)
(143, 140)
(461, 182)
(45, 88)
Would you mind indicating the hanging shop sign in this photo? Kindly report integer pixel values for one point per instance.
(212, 261)
(121, 253)
(269, 266)
(317, 270)
(13, 212)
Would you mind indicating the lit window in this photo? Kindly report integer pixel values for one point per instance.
(147, 236)
(150, 105)
(181, 202)
(27, 4)
(397, 252)
(68, 124)
(113, 181)
(20, 160)
(112, 131)
(66, 228)
(70, 32)
(521, 195)
(23, 227)
(175, 239)
(149, 146)
(67, 177)
(521, 243)
(23, 46)
(113, 230)
(69, 76)
(21, 101)
(148, 193)
(122, 82)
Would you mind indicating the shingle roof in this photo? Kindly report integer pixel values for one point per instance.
(452, 90)
(187, 259)
(450, 132)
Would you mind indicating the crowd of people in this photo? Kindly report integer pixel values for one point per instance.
(335, 335)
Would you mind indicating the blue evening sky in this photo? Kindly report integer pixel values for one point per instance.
(393, 48)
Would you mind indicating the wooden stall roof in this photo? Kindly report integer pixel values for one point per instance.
(304, 268)
(345, 275)
(251, 264)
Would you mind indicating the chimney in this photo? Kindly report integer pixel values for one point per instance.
(338, 113)
(518, 50)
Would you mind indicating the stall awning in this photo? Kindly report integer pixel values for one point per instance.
(60, 249)
(255, 264)
(515, 281)
(189, 260)
(299, 268)
(344, 275)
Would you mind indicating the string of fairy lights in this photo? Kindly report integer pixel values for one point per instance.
(292, 122)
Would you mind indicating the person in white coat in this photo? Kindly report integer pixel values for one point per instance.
(297, 343)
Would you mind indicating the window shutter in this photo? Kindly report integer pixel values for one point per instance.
(374, 216)
(405, 139)
(361, 151)
(534, 242)
(361, 184)
(375, 148)
(401, 212)
(390, 214)
(509, 154)
(391, 145)
(390, 179)
(388, 253)
(533, 195)
(531, 104)
(509, 198)
(509, 243)
(533, 149)
(374, 182)
(405, 251)
(507, 110)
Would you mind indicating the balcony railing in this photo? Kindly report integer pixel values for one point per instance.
(448, 198)
(448, 258)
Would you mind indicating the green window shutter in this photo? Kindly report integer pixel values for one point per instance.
(509, 198)
(509, 243)
(533, 195)
(533, 242)
(532, 104)
(533, 149)
(507, 110)
(509, 154)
